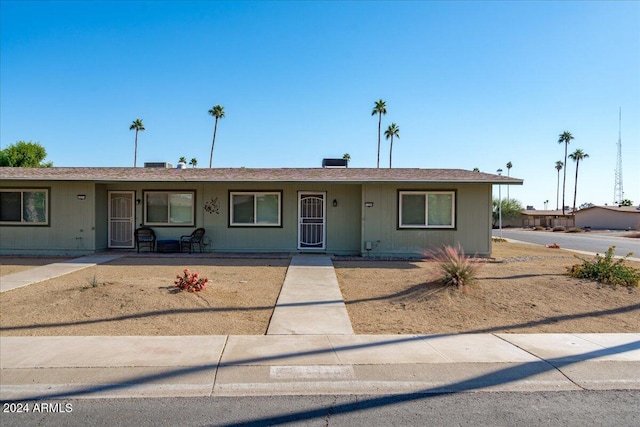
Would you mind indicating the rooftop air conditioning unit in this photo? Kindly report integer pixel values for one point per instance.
(164, 165)
(334, 163)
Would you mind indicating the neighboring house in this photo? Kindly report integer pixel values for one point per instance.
(609, 217)
(369, 212)
(547, 219)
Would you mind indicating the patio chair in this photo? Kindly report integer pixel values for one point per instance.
(145, 237)
(194, 238)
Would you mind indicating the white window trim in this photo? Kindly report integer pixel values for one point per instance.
(168, 223)
(22, 222)
(255, 208)
(426, 211)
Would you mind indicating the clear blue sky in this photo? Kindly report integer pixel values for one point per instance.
(470, 84)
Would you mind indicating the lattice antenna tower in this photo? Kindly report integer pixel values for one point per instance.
(618, 193)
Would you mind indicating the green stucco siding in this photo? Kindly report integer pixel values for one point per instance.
(380, 222)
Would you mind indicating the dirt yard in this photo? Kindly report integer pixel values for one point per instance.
(524, 291)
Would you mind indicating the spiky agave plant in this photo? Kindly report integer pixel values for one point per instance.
(456, 269)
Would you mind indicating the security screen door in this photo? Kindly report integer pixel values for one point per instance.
(121, 219)
(311, 220)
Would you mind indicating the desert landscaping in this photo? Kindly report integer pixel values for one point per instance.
(522, 288)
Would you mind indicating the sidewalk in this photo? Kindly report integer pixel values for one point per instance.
(310, 349)
(90, 367)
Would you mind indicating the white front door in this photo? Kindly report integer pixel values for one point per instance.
(311, 220)
(121, 219)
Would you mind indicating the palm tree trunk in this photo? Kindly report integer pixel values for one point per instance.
(390, 151)
(564, 180)
(575, 191)
(135, 150)
(215, 129)
(379, 124)
(558, 191)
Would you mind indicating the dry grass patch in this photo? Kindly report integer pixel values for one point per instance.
(136, 296)
(527, 291)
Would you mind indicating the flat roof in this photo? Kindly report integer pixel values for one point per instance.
(332, 175)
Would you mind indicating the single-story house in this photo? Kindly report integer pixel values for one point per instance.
(368, 212)
(609, 217)
(546, 218)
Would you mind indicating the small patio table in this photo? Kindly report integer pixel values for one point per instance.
(168, 245)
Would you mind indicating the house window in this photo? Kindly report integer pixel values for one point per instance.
(427, 209)
(255, 209)
(24, 207)
(169, 208)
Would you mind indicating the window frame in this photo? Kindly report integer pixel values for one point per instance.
(22, 222)
(146, 193)
(426, 225)
(255, 193)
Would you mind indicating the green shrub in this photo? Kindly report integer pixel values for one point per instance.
(559, 228)
(456, 269)
(499, 240)
(606, 270)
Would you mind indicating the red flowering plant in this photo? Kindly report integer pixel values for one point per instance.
(191, 282)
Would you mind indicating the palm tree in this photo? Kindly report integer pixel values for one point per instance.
(218, 112)
(347, 157)
(136, 125)
(379, 108)
(182, 159)
(193, 162)
(565, 137)
(509, 166)
(559, 166)
(392, 130)
(576, 156)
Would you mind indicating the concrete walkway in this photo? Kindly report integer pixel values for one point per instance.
(310, 302)
(81, 367)
(49, 271)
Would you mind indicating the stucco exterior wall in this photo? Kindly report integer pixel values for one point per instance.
(600, 218)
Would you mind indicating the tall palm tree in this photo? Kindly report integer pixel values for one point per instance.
(565, 137)
(193, 162)
(136, 125)
(509, 166)
(559, 166)
(392, 130)
(379, 108)
(576, 156)
(218, 112)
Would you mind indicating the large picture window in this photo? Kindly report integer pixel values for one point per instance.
(24, 206)
(261, 209)
(427, 209)
(169, 208)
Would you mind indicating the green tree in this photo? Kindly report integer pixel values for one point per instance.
(559, 166)
(511, 209)
(347, 157)
(476, 169)
(626, 202)
(218, 112)
(136, 125)
(576, 156)
(182, 160)
(24, 154)
(564, 138)
(379, 108)
(193, 162)
(392, 130)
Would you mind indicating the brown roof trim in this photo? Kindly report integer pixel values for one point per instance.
(347, 175)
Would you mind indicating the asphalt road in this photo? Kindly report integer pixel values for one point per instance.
(594, 241)
(578, 408)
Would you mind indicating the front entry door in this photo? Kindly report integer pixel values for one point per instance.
(311, 221)
(121, 219)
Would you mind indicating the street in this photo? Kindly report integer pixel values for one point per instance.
(594, 241)
(576, 408)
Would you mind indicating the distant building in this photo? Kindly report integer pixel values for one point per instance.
(609, 217)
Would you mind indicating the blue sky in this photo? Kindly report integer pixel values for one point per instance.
(470, 84)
